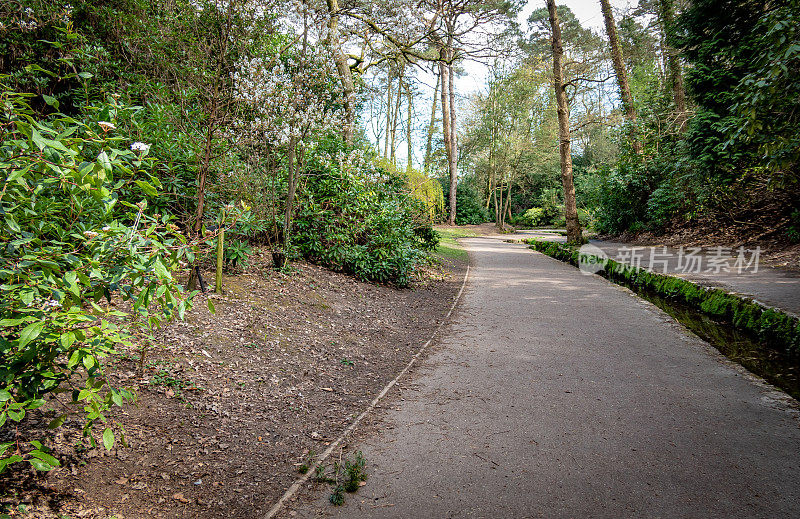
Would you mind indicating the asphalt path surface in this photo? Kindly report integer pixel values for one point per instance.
(709, 266)
(557, 394)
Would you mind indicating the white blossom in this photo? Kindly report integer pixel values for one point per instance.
(106, 126)
(52, 303)
(140, 146)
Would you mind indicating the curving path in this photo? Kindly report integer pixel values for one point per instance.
(555, 394)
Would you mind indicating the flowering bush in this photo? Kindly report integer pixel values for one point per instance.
(71, 237)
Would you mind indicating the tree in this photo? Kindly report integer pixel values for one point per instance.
(574, 234)
(345, 73)
(622, 75)
(666, 14)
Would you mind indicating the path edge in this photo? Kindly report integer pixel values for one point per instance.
(298, 484)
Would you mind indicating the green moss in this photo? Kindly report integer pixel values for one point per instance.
(768, 324)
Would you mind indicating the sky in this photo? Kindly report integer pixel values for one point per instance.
(587, 11)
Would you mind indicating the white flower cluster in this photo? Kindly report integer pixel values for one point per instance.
(52, 304)
(90, 234)
(106, 126)
(288, 96)
(140, 146)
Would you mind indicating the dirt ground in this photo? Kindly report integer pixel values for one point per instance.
(231, 404)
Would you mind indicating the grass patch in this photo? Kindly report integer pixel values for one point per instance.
(449, 248)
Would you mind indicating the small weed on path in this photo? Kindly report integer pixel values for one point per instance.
(349, 474)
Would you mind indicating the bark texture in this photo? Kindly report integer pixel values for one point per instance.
(622, 75)
(565, 144)
(674, 73)
(444, 71)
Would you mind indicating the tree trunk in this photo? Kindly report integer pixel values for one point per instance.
(396, 116)
(388, 113)
(345, 74)
(565, 145)
(410, 158)
(451, 217)
(622, 75)
(674, 73)
(453, 157)
(431, 127)
(507, 209)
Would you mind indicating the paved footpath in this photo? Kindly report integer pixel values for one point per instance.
(555, 394)
(777, 287)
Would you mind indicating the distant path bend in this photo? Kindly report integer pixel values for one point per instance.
(556, 394)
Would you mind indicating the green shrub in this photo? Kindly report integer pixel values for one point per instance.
(70, 238)
(469, 206)
(358, 218)
(531, 218)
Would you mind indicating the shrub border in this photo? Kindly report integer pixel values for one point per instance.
(767, 324)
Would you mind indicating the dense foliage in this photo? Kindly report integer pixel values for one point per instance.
(357, 217)
(131, 133)
(75, 229)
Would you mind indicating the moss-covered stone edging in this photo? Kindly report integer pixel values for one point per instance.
(779, 329)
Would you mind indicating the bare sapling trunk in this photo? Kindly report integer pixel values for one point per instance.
(292, 189)
(345, 74)
(409, 150)
(396, 116)
(574, 234)
(388, 114)
(622, 75)
(431, 126)
(202, 176)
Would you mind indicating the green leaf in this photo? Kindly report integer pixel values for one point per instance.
(30, 333)
(108, 438)
(40, 465)
(160, 270)
(211, 306)
(67, 340)
(17, 416)
(15, 174)
(4, 395)
(104, 161)
(57, 422)
(45, 458)
(117, 398)
(37, 139)
(146, 187)
(12, 223)
(11, 322)
(3, 417)
(71, 278)
(8, 461)
(74, 358)
(89, 361)
(52, 101)
(35, 404)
